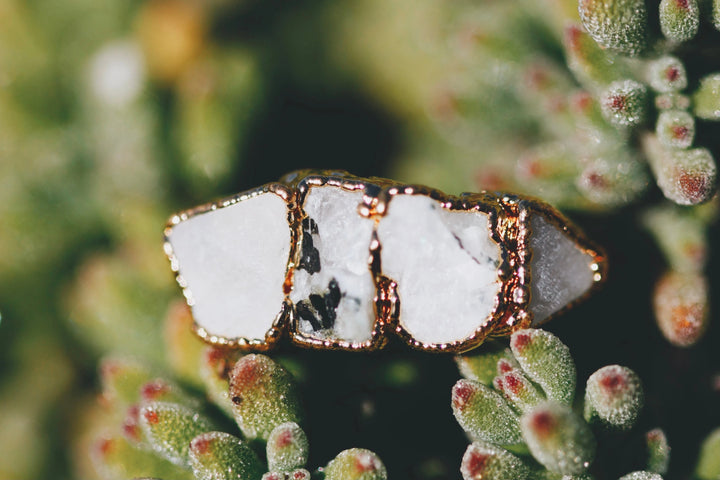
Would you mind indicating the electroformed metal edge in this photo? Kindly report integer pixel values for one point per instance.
(277, 329)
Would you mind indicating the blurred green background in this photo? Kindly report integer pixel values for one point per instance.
(115, 114)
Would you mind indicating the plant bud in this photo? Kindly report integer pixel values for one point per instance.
(679, 19)
(687, 177)
(169, 428)
(675, 129)
(355, 464)
(680, 303)
(619, 25)
(558, 439)
(221, 456)
(641, 476)
(623, 103)
(518, 390)
(483, 461)
(263, 396)
(658, 451)
(287, 447)
(706, 99)
(666, 74)
(614, 394)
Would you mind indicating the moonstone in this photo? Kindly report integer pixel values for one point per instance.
(232, 261)
(445, 266)
(333, 288)
(560, 271)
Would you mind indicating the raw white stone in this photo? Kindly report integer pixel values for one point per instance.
(343, 243)
(560, 272)
(233, 260)
(445, 265)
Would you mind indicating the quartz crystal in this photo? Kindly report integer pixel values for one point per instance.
(560, 271)
(333, 288)
(445, 266)
(232, 262)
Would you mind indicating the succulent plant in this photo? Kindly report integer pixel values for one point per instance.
(530, 411)
(112, 118)
(165, 432)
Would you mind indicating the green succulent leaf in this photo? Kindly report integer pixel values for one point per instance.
(287, 447)
(615, 396)
(169, 428)
(483, 461)
(619, 25)
(559, 439)
(355, 464)
(263, 396)
(679, 19)
(221, 456)
(708, 466)
(658, 451)
(484, 414)
(547, 362)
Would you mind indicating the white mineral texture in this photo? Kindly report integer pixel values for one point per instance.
(233, 261)
(342, 240)
(445, 265)
(560, 271)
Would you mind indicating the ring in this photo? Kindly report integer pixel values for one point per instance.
(333, 261)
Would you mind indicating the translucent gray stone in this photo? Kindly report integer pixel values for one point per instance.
(560, 271)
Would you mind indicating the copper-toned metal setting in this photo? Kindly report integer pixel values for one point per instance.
(277, 329)
(509, 219)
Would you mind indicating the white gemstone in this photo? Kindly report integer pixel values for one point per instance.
(560, 271)
(233, 261)
(342, 242)
(445, 265)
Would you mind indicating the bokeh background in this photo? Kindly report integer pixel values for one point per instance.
(115, 114)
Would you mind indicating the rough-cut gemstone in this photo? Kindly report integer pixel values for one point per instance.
(232, 262)
(333, 288)
(445, 266)
(560, 271)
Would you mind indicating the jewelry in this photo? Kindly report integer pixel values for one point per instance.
(336, 261)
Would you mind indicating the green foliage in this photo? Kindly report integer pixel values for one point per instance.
(538, 384)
